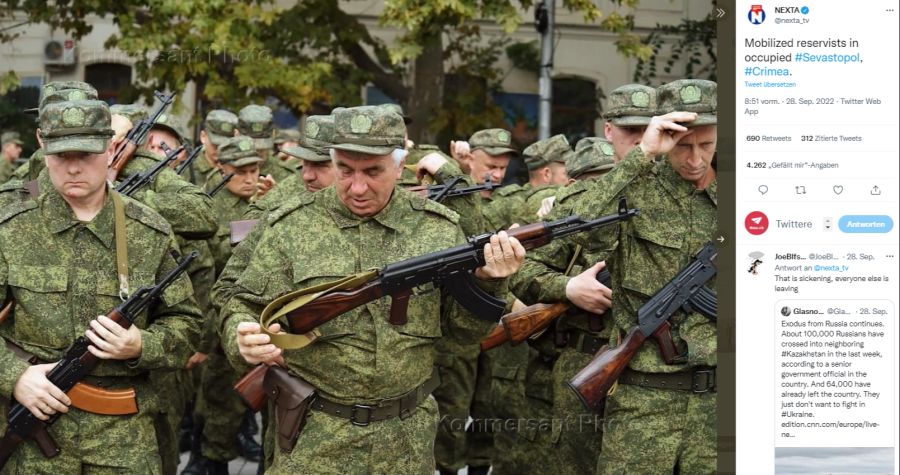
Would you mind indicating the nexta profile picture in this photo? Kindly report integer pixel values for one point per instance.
(756, 15)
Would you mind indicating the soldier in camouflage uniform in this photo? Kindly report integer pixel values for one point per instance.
(546, 163)
(648, 429)
(628, 111)
(133, 112)
(255, 121)
(10, 149)
(168, 130)
(364, 221)
(593, 157)
(219, 410)
(219, 126)
(60, 294)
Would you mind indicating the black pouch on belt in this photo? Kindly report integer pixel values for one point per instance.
(292, 397)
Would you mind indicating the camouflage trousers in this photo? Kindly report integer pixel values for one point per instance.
(651, 430)
(331, 445)
(457, 365)
(91, 444)
(553, 433)
(507, 401)
(219, 409)
(178, 389)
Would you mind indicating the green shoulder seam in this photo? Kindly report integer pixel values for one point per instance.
(571, 190)
(508, 190)
(424, 204)
(16, 209)
(145, 215)
(289, 206)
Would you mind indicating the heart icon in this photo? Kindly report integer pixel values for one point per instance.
(838, 189)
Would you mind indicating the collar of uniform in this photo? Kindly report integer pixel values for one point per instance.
(389, 216)
(229, 199)
(61, 217)
(676, 186)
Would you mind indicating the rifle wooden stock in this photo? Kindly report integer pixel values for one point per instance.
(250, 388)
(594, 381)
(323, 309)
(120, 159)
(516, 327)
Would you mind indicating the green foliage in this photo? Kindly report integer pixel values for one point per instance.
(525, 55)
(691, 41)
(8, 82)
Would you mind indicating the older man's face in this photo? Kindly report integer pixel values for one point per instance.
(365, 183)
(692, 156)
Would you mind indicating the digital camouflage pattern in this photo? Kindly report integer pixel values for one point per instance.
(492, 141)
(542, 152)
(318, 135)
(690, 95)
(531, 203)
(595, 156)
(368, 129)
(10, 137)
(82, 269)
(643, 254)
(238, 152)
(631, 105)
(90, 118)
(286, 135)
(172, 125)
(62, 91)
(134, 112)
(255, 121)
(360, 358)
(220, 125)
(397, 109)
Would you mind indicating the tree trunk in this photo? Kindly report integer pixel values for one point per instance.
(427, 89)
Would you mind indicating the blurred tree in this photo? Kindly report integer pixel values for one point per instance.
(312, 53)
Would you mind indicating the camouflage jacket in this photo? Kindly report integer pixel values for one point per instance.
(500, 208)
(182, 204)
(360, 356)
(6, 170)
(62, 274)
(531, 202)
(227, 207)
(643, 254)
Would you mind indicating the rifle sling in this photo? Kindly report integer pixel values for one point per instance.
(121, 245)
(289, 302)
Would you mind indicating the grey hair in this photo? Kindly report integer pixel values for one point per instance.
(398, 154)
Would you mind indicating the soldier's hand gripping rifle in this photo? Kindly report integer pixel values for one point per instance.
(686, 291)
(516, 327)
(137, 136)
(76, 363)
(137, 181)
(451, 268)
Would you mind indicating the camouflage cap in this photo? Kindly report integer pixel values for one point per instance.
(170, 124)
(397, 109)
(75, 126)
(595, 156)
(587, 142)
(542, 152)
(220, 125)
(368, 129)
(134, 112)
(255, 121)
(10, 137)
(61, 91)
(631, 105)
(492, 141)
(238, 152)
(286, 135)
(690, 95)
(318, 135)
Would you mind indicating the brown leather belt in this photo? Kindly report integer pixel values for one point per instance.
(699, 380)
(362, 414)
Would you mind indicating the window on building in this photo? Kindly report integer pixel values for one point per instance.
(109, 79)
(575, 108)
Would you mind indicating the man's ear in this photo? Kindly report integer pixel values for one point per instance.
(37, 135)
